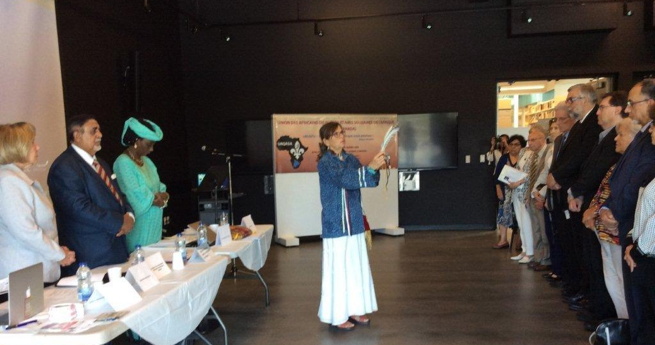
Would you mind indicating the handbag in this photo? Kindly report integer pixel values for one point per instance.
(611, 332)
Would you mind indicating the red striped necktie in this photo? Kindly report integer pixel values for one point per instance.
(103, 175)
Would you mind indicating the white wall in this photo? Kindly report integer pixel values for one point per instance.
(298, 204)
(30, 76)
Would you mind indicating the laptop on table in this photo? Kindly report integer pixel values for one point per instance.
(25, 295)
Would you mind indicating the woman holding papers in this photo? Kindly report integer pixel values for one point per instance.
(28, 230)
(138, 178)
(347, 293)
(521, 195)
(505, 218)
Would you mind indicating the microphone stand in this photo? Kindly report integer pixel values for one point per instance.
(228, 160)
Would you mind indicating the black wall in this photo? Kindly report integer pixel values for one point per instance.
(392, 65)
(97, 42)
(194, 84)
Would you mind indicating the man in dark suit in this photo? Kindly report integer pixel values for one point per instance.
(575, 149)
(610, 112)
(92, 214)
(635, 169)
(566, 121)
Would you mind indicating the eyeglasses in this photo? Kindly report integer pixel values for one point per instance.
(515, 144)
(573, 99)
(339, 134)
(631, 103)
(601, 107)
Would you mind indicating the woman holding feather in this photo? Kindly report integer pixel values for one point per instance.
(347, 293)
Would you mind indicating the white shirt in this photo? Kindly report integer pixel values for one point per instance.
(85, 155)
(643, 232)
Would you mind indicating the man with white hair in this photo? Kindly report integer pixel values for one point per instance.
(576, 146)
(537, 144)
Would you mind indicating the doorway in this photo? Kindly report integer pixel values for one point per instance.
(521, 104)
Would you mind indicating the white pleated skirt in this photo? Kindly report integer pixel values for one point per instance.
(347, 288)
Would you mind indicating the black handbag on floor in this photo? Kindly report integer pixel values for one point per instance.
(611, 332)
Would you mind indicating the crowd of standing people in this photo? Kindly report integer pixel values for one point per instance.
(585, 210)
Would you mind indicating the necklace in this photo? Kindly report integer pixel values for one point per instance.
(136, 160)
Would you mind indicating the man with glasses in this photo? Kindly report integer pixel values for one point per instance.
(635, 169)
(610, 112)
(576, 147)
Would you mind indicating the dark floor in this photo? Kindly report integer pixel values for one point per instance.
(433, 287)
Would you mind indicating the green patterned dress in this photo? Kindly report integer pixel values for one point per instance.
(140, 183)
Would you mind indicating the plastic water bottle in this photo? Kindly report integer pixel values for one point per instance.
(180, 245)
(84, 283)
(139, 256)
(223, 220)
(202, 237)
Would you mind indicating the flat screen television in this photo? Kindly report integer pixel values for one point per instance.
(253, 139)
(427, 141)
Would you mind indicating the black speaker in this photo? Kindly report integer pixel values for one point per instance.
(129, 68)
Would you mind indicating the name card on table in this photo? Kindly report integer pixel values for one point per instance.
(201, 255)
(249, 223)
(157, 265)
(119, 294)
(223, 234)
(143, 276)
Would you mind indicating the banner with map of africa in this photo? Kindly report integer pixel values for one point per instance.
(296, 138)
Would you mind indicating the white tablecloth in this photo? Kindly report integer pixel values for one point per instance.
(252, 250)
(167, 314)
(173, 309)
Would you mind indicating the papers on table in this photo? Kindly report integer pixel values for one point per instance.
(249, 223)
(223, 234)
(509, 175)
(158, 265)
(142, 276)
(119, 294)
(201, 255)
(165, 243)
(72, 327)
(72, 280)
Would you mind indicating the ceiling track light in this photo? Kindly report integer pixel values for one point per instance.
(317, 31)
(627, 12)
(426, 25)
(225, 36)
(193, 28)
(526, 17)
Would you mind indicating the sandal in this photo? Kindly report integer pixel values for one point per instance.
(360, 320)
(344, 327)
